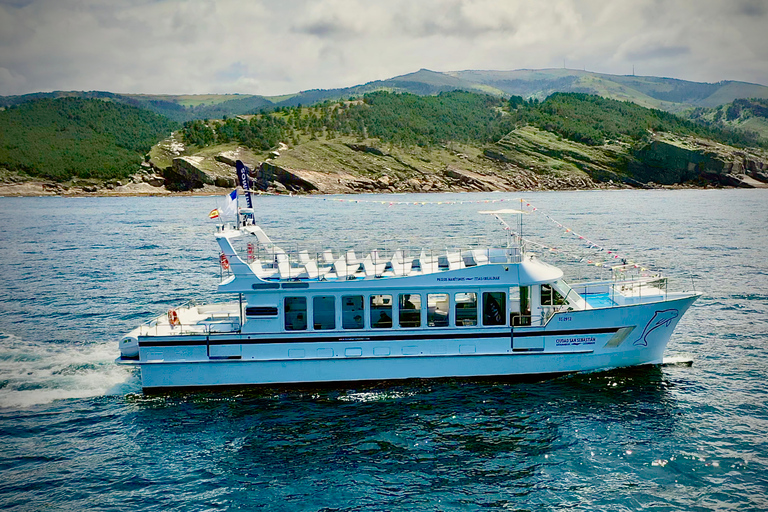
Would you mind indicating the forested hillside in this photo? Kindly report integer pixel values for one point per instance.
(410, 120)
(592, 120)
(744, 114)
(73, 137)
(571, 135)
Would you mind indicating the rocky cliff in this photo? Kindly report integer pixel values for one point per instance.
(667, 159)
(526, 159)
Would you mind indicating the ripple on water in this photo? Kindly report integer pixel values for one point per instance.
(77, 431)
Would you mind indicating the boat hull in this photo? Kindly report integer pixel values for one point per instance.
(574, 341)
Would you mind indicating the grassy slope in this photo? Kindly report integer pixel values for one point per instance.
(733, 90)
(545, 152)
(666, 93)
(189, 100)
(413, 131)
(755, 124)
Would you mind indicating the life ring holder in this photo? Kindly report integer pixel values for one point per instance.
(224, 261)
(173, 318)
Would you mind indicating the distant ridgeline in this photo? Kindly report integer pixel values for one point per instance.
(167, 106)
(407, 120)
(104, 138)
(73, 137)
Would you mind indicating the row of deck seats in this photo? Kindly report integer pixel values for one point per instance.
(349, 266)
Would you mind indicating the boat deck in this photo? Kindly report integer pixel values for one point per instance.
(277, 264)
(194, 319)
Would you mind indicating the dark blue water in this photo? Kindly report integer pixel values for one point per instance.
(77, 434)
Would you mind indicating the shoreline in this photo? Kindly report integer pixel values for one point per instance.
(43, 189)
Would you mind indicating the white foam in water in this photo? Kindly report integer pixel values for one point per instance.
(32, 374)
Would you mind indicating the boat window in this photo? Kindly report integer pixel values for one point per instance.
(410, 310)
(352, 311)
(295, 313)
(493, 308)
(550, 296)
(324, 312)
(466, 308)
(381, 311)
(520, 305)
(438, 309)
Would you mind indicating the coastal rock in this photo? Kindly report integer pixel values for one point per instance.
(153, 179)
(476, 180)
(194, 172)
(291, 179)
(225, 182)
(184, 174)
(495, 155)
(366, 149)
(667, 159)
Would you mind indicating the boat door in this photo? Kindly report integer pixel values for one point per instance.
(524, 338)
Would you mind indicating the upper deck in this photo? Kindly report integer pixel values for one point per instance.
(260, 263)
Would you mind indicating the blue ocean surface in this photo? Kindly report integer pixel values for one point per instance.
(76, 432)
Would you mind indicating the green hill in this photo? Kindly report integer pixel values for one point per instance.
(665, 93)
(593, 120)
(457, 116)
(571, 138)
(73, 137)
(749, 115)
(668, 94)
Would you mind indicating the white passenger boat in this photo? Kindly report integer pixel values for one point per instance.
(324, 316)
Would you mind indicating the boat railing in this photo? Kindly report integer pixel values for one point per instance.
(215, 321)
(633, 289)
(278, 260)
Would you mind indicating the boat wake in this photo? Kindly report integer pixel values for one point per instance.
(31, 374)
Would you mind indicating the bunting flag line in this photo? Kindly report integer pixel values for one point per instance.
(614, 259)
(590, 245)
(388, 203)
(417, 203)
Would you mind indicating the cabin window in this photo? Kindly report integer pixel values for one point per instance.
(550, 296)
(466, 308)
(261, 311)
(352, 311)
(381, 311)
(493, 308)
(324, 312)
(410, 310)
(295, 313)
(438, 309)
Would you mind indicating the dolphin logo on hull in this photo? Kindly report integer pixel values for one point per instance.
(660, 319)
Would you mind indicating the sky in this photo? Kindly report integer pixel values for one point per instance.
(281, 47)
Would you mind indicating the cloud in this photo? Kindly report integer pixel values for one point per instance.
(10, 80)
(463, 19)
(269, 47)
(657, 52)
(751, 8)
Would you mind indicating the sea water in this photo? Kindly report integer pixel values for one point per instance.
(76, 433)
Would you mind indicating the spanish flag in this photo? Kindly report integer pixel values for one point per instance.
(214, 214)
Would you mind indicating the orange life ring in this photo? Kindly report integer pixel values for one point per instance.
(173, 317)
(224, 261)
